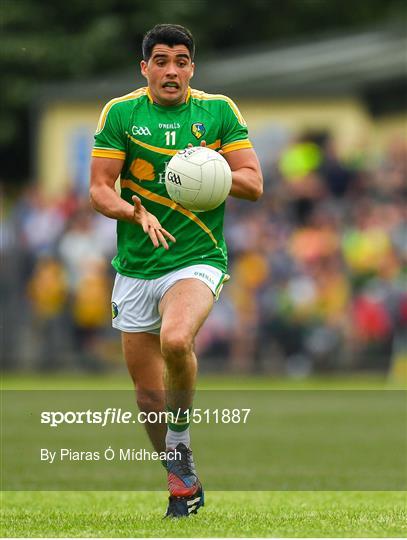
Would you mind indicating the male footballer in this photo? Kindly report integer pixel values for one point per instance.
(171, 262)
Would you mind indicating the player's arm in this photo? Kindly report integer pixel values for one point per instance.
(247, 178)
(104, 199)
(103, 196)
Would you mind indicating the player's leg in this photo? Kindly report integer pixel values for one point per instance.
(145, 363)
(183, 308)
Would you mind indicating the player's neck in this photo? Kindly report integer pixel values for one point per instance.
(163, 103)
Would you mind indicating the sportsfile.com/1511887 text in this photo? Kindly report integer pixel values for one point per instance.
(112, 415)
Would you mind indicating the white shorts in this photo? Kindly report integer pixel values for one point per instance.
(135, 301)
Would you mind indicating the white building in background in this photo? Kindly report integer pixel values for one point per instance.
(353, 86)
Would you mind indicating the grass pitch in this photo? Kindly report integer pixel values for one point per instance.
(226, 514)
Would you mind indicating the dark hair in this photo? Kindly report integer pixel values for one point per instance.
(168, 34)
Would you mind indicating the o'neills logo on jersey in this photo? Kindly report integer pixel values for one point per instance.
(174, 178)
(174, 125)
(140, 130)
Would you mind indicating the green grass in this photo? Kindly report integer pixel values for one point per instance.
(226, 514)
(122, 381)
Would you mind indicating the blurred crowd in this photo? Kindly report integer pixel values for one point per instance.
(318, 270)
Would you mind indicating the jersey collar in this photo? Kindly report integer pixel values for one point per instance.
(150, 97)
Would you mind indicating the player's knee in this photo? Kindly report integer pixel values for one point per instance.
(175, 346)
(150, 401)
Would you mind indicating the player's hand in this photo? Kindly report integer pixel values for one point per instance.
(150, 224)
(203, 143)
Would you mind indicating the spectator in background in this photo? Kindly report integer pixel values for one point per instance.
(78, 245)
(84, 256)
(91, 310)
(41, 222)
(48, 292)
(299, 165)
(335, 174)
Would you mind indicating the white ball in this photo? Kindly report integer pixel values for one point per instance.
(198, 178)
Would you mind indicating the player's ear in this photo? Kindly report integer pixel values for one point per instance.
(143, 67)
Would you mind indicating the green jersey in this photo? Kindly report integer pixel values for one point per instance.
(146, 135)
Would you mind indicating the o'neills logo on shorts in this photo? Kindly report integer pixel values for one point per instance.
(204, 276)
(115, 310)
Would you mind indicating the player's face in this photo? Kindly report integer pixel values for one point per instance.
(168, 73)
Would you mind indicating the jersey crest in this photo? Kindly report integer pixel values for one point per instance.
(198, 130)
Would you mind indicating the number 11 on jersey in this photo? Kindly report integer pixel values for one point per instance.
(170, 138)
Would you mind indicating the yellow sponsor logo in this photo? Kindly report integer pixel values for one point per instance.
(142, 169)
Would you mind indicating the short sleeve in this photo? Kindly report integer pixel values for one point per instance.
(234, 132)
(110, 136)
